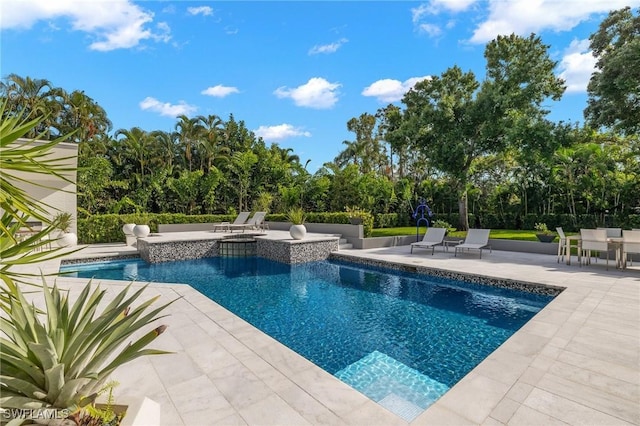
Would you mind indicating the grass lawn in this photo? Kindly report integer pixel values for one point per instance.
(505, 234)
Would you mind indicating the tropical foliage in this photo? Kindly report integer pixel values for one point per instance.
(474, 148)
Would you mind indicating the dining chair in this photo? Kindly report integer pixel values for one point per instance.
(630, 245)
(562, 244)
(613, 232)
(594, 240)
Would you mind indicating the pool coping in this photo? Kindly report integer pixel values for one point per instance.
(530, 287)
(520, 382)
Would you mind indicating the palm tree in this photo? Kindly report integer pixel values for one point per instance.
(190, 132)
(242, 163)
(81, 112)
(211, 142)
(137, 142)
(167, 145)
(31, 98)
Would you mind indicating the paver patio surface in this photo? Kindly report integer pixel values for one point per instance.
(576, 362)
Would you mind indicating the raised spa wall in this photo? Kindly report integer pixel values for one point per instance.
(284, 251)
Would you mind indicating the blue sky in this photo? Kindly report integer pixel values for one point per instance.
(294, 71)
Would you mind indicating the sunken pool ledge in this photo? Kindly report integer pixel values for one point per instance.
(530, 287)
(274, 245)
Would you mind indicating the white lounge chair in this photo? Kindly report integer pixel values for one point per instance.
(256, 222)
(240, 219)
(432, 238)
(477, 239)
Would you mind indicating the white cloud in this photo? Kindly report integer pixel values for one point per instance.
(317, 93)
(418, 12)
(327, 48)
(280, 132)
(389, 90)
(526, 16)
(166, 109)
(431, 30)
(117, 24)
(454, 5)
(230, 30)
(200, 10)
(219, 91)
(435, 7)
(577, 65)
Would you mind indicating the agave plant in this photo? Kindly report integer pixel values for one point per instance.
(62, 359)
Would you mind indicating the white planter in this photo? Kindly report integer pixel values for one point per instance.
(127, 228)
(298, 231)
(140, 411)
(68, 239)
(141, 231)
(129, 238)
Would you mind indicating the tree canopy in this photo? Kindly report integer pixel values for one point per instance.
(454, 119)
(614, 88)
(481, 151)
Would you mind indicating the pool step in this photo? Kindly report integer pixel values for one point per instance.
(399, 388)
(344, 245)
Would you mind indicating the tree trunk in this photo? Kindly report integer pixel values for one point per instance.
(463, 210)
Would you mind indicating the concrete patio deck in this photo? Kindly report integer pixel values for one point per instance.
(576, 362)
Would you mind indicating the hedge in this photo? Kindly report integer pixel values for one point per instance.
(107, 228)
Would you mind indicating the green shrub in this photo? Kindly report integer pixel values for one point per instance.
(107, 228)
(386, 220)
(443, 224)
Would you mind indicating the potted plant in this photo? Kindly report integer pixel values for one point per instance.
(297, 217)
(543, 234)
(356, 215)
(62, 222)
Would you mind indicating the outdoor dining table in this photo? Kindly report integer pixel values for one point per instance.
(615, 241)
(568, 243)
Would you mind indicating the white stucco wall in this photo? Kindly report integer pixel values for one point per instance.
(55, 192)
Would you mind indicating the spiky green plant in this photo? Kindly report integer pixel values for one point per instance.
(17, 161)
(296, 216)
(61, 358)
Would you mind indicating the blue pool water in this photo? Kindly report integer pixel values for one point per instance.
(392, 335)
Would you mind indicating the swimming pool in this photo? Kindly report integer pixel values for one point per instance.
(402, 339)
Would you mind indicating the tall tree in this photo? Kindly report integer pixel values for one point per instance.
(83, 115)
(211, 142)
(190, 131)
(614, 88)
(454, 120)
(366, 151)
(136, 142)
(31, 98)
